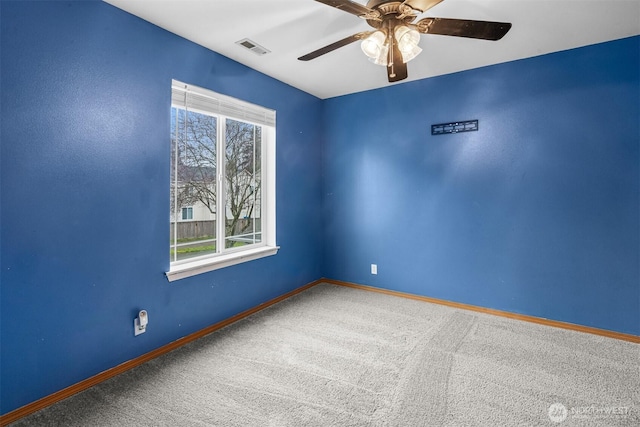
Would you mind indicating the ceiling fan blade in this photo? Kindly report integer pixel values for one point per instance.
(464, 28)
(396, 69)
(348, 6)
(333, 46)
(422, 5)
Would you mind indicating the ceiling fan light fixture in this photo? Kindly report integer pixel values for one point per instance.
(408, 39)
(376, 48)
(381, 59)
(394, 42)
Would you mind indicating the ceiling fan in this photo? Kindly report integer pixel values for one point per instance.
(394, 40)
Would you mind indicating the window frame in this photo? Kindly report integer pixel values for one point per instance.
(234, 109)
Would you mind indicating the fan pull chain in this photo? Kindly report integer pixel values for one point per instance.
(391, 42)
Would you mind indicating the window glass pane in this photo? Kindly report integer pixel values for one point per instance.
(243, 183)
(193, 189)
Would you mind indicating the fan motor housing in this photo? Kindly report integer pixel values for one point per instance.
(374, 4)
(389, 10)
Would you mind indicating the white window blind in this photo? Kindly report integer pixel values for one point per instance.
(195, 98)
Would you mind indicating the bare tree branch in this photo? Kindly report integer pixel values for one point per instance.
(195, 161)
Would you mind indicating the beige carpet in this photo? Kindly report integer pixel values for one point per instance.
(335, 356)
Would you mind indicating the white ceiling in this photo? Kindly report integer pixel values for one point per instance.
(292, 28)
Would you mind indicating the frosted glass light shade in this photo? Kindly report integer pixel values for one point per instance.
(375, 47)
(408, 40)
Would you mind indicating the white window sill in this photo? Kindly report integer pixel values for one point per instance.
(189, 269)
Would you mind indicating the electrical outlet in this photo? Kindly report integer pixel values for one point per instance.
(374, 268)
(137, 329)
(140, 323)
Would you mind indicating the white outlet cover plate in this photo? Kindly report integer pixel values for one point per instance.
(136, 327)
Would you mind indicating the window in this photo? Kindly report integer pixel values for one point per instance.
(187, 213)
(222, 181)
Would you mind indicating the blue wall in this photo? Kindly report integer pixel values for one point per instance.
(85, 193)
(536, 213)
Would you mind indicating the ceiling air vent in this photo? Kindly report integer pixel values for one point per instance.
(253, 46)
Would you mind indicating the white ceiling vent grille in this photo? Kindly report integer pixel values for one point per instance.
(253, 46)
